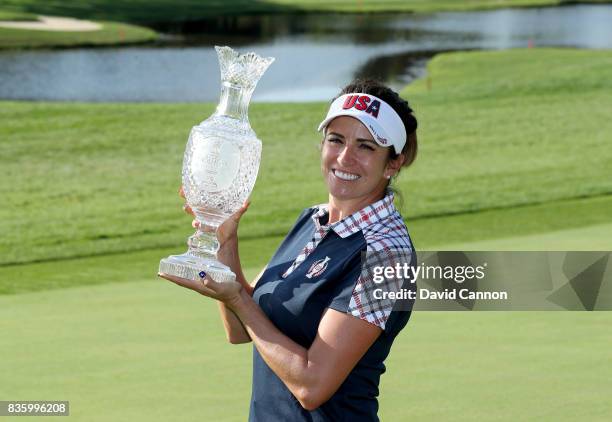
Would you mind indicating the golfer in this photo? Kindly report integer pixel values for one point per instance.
(320, 336)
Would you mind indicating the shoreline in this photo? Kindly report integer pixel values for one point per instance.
(145, 29)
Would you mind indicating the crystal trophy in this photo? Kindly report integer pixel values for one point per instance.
(220, 166)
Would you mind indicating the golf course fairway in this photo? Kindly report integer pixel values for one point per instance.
(514, 154)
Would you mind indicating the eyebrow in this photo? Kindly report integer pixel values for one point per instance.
(358, 139)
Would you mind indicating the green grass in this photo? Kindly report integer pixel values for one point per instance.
(95, 179)
(550, 226)
(155, 11)
(589, 238)
(16, 16)
(148, 350)
(416, 6)
(514, 155)
(111, 33)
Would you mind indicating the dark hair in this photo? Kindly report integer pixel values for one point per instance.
(401, 107)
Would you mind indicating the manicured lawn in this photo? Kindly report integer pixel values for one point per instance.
(497, 130)
(150, 351)
(514, 155)
(155, 11)
(111, 33)
(579, 224)
(418, 6)
(16, 16)
(161, 13)
(152, 13)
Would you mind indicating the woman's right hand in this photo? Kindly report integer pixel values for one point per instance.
(228, 231)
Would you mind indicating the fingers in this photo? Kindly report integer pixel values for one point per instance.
(186, 207)
(245, 206)
(195, 224)
(209, 283)
(207, 291)
(190, 284)
(188, 210)
(195, 285)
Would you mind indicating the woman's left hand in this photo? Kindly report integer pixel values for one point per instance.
(226, 292)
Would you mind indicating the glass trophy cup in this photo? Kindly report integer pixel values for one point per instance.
(220, 166)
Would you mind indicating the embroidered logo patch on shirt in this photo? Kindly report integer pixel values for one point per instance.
(317, 268)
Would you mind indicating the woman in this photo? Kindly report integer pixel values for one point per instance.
(320, 333)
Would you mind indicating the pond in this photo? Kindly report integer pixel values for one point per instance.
(315, 54)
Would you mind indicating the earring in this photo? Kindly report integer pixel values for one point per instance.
(388, 177)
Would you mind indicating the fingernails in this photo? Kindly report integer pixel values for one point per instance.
(202, 274)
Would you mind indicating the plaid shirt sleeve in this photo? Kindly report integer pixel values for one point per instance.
(372, 299)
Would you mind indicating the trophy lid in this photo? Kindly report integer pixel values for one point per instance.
(243, 70)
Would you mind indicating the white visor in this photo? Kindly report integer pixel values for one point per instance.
(378, 117)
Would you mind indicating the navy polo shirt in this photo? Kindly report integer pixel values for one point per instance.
(320, 266)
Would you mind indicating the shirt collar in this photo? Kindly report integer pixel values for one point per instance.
(359, 220)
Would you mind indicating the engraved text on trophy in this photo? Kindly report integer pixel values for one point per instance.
(216, 164)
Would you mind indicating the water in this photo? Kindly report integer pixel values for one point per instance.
(315, 54)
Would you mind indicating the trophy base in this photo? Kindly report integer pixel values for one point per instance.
(189, 266)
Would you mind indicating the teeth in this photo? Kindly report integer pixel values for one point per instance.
(345, 176)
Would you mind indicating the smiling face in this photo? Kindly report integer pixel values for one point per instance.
(354, 166)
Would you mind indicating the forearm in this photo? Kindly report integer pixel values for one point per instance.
(287, 359)
(228, 254)
(234, 330)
